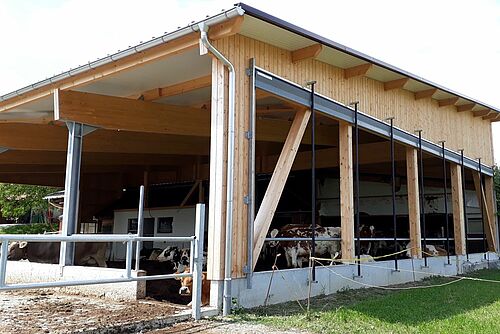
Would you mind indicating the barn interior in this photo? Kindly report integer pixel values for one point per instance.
(375, 190)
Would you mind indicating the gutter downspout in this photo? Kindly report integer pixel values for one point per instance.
(228, 261)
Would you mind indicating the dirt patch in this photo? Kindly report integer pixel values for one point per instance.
(39, 311)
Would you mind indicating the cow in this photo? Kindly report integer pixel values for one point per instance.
(179, 257)
(86, 253)
(187, 287)
(430, 250)
(366, 232)
(297, 252)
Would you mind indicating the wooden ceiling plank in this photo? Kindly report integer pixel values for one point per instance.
(491, 116)
(395, 84)
(357, 71)
(311, 51)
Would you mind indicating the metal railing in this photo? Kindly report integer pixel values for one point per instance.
(195, 241)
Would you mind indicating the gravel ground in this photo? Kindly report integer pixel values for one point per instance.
(39, 311)
(220, 327)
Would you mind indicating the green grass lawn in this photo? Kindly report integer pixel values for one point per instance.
(463, 307)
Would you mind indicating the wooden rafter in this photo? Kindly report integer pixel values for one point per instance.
(278, 181)
(225, 29)
(176, 89)
(425, 93)
(395, 84)
(481, 113)
(492, 116)
(311, 51)
(448, 102)
(357, 71)
(465, 107)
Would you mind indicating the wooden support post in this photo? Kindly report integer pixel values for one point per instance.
(278, 181)
(413, 201)
(489, 196)
(346, 191)
(218, 163)
(458, 209)
(489, 230)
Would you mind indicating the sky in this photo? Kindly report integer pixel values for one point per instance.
(454, 43)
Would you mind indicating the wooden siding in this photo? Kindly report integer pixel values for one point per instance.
(460, 130)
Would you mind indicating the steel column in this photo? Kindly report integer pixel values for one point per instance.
(445, 194)
(197, 260)
(76, 132)
(313, 180)
(356, 186)
(485, 245)
(422, 195)
(140, 225)
(393, 181)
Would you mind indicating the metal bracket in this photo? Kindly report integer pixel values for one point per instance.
(86, 129)
(249, 71)
(246, 269)
(246, 199)
(248, 135)
(3, 149)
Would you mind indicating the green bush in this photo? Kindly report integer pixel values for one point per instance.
(29, 229)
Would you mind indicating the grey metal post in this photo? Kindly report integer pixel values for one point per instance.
(76, 131)
(140, 224)
(198, 260)
(128, 260)
(3, 261)
(251, 176)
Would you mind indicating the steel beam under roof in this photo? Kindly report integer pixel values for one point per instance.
(293, 92)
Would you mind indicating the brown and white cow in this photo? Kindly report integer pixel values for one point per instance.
(298, 252)
(187, 287)
(86, 253)
(430, 250)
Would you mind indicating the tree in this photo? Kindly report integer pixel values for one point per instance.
(18, 200)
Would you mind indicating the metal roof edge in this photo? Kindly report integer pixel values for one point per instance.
(325, 41)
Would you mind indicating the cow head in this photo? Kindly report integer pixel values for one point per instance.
(170, 253)
(17, 251)
(187, 283)
(273, 234)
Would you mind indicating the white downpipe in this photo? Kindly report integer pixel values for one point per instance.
(228, 263)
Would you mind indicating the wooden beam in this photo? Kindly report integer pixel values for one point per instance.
(311, 51)
(278, 181)
(177, 89)
(33, 117)
(55, 138)
(489, 230)
(413, 201)
(448, 102)
(226, 29)
(465, 107)
(218, 174)
(491, 116)
(357, 71)
(117, 113)
(458, 209)
(395, 84)
(481, 113)
(346, 191)
(496, 119)
(425, 93)
(489, 196)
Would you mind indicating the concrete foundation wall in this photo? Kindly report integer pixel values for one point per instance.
(28, 272)
(292, 284)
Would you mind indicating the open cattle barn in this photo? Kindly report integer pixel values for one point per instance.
(286, 136)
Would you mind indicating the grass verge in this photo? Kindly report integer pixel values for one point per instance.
(463, 307)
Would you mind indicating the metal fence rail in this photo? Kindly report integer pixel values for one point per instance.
(196, 242)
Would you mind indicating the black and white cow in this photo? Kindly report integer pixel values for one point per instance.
(179, 257)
